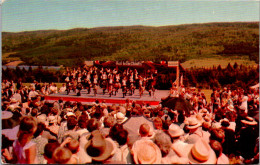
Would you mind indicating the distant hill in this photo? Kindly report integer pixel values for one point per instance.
(181, 42)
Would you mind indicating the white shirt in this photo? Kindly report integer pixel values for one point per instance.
(33, 94)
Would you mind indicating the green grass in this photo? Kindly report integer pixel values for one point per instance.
(210, 62)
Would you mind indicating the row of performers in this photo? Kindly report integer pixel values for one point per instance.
(112, 85)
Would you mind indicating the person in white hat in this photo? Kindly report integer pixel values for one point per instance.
(146, 152)
(53, 127)
(201, 153)
(120, 117)
(195, 130)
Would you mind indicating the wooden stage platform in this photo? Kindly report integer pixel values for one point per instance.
(118, 99)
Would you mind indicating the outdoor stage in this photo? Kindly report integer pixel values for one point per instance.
(118, 99)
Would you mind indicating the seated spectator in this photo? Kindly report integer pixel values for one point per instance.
(62, 88)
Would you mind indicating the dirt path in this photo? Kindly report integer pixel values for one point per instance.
(14, 63)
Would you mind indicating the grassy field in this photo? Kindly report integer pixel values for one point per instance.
(210, 62)
(5, 57)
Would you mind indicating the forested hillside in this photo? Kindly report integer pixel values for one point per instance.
(182, 42)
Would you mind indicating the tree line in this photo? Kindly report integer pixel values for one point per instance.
(233, 76)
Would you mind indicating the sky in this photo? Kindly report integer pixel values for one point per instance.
(28, 15)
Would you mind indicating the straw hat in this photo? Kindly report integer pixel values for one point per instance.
(249, 121)
(175, 130)
(7, 114)
(146, 152)
(120, 118)
(193, 123)
(202, 153)
(99, 148)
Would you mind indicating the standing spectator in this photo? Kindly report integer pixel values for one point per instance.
(40, 143)
(24, 148)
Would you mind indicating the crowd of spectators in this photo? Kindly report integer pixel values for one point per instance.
(221, 131)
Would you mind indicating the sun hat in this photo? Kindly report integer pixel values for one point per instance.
(146, 152)
(193, 123)
(120, 117)
(99, 148)
(7, 114)
(175, 130)
(249, 121)
(202, 153)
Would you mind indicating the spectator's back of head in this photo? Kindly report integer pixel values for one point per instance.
(71, 122)
(217, 134)
(163, 141)
(73, 146)
(206, 126)
(49, 149)
(40, 128)
(158, 123)
(82, 122)
(122, 136)
(92, 125)
(109, 121)
(114, 130)
(217, 147)
(144, 130)
(61, 155)
(34, 112)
